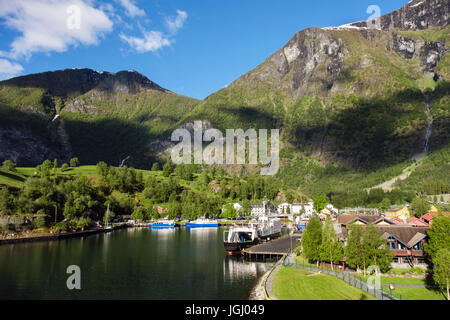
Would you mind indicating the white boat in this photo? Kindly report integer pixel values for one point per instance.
(238, 238)
(163, 224)
(202, 223)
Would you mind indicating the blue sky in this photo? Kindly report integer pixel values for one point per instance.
(192, 47)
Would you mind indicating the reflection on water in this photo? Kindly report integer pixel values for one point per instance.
(236, 268)
(131, 263)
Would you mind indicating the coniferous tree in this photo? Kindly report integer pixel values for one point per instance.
(312, 239)
(441, 269)
(439, 236)
(331, 248)
(354, 248)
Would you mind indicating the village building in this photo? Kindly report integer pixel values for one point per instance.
(428, 217)
(265, 208)
(405, 240)
(402, 212)
(407, 244)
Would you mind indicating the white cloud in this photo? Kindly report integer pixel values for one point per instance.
(175, 24)
(151, 42)
(52, 25)
(131, 9)
(9, 69)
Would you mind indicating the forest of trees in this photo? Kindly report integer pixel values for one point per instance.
(72, 201)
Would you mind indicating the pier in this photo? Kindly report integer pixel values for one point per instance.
(272, 249)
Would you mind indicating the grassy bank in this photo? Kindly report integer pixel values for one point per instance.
(294, 284)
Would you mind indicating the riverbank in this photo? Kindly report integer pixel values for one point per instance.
(57, 236)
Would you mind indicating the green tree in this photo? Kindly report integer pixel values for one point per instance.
(441, 269)
(102, 169)
(320, 202)
(139, 214)
(55, 164)
(229, 212)
(167, 169)
(439, 236)
(354, 248)
(385, 204)
(204, 178)
(6, 202)
(74, 162)
(331, 249)
(420, 206)
(155, 166)
(8, 165)
(312, 239)
(64, 167)
(246, 209)
(375, 250)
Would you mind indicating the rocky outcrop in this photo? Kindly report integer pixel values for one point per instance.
(313, 60)
(63, 83)
(307, 65)
(24, 147)
(415, 15)
(429, 53)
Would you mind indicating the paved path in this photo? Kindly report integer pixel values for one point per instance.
(278, 246)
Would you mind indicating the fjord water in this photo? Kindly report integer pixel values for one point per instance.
(135, 263)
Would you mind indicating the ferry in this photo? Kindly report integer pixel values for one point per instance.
(163, 224)
(202, 223)
(238, 238)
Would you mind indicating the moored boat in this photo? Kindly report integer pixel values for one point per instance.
(202, 223)
(238, 238)
(162, 224)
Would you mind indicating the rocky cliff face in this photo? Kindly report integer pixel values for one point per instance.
(415, 15)
(63, 83)
(314, 60)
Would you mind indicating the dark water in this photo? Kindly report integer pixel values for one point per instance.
(129, 264)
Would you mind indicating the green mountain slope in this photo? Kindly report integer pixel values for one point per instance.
(355, 105)
(96, 116)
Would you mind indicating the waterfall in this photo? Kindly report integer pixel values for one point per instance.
(123, 161)
(430, 124)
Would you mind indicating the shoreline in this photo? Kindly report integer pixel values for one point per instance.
(60, 236)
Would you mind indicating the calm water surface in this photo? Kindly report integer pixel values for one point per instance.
(129, 264)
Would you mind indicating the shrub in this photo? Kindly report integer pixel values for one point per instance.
(9, 165)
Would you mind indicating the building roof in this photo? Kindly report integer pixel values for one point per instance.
(350, 218)
(430, 215)
(408, 235)
(417, 222)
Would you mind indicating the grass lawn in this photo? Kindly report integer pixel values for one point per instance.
(295, 284)
(411, 293)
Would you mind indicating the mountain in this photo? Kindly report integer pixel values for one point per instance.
(350, 93)
(94, 115)
(355, 106)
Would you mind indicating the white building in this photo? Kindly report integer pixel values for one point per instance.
(265, 208)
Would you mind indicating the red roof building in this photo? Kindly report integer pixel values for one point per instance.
(428, 217)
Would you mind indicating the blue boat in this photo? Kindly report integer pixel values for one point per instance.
(163, 224)
(202, 223)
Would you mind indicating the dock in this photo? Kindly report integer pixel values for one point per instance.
(272, 249)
